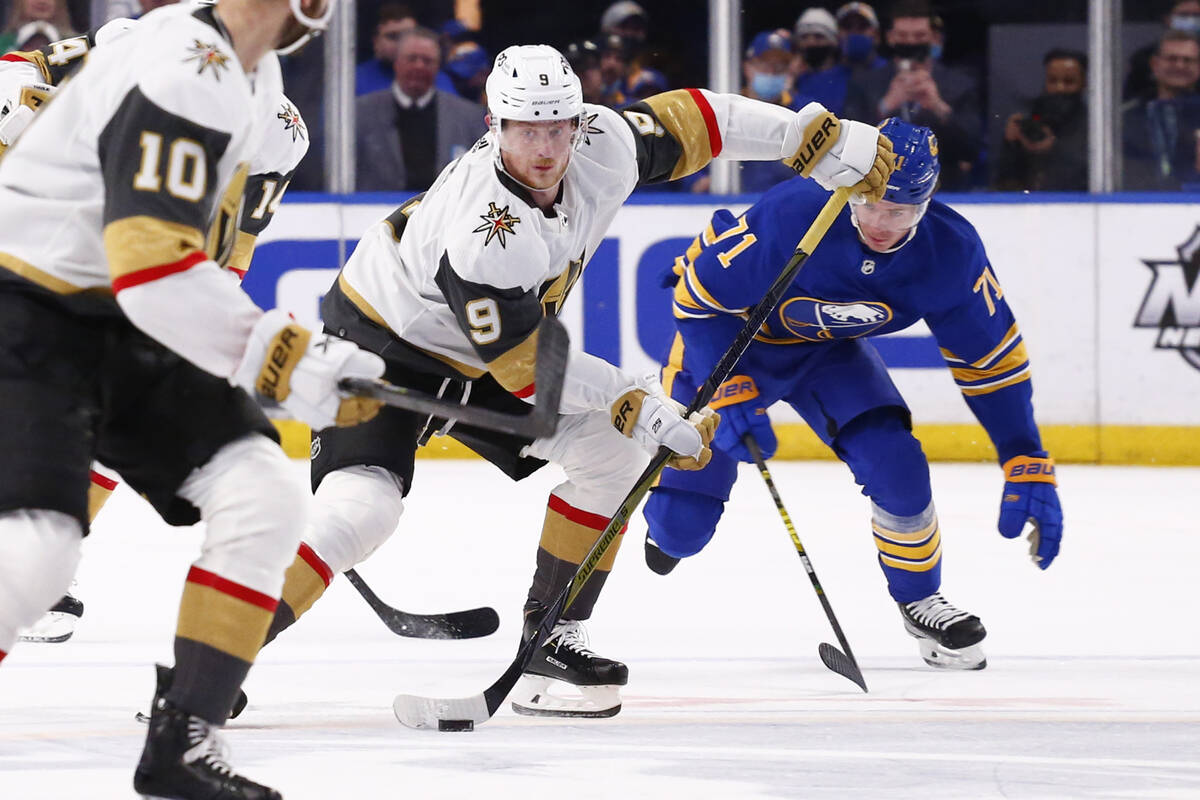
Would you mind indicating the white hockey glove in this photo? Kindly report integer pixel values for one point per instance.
(653, 420)
(843, 152)
(287, 363)
(18, 111)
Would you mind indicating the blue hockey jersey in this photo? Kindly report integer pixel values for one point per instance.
(846, 290)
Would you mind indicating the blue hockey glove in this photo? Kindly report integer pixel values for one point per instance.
(1030, 496)
(742, 412)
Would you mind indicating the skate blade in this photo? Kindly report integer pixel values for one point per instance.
(968, 658)
(52, 628)
(536, 696)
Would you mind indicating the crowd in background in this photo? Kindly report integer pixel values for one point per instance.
(423, 64)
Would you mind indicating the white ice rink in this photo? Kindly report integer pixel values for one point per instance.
(1092, 688)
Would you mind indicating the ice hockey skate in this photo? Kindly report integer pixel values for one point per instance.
(184, 759)
(566, 679)
(658, 561)
(948, 637)
(57, 624)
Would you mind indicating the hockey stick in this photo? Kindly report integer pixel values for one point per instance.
(552, 348)
(470, 624)
(429, 712)
(840, 661)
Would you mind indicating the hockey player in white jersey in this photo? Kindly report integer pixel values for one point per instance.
(27, 80)
(124, 340)
(450, 288)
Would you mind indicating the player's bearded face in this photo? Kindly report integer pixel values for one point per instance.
(882, 225)
(537, 153)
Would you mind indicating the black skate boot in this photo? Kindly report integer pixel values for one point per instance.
(184, 759)
(57, 624)
(162, 684)
(947, 636)
(657, 560)
(565, 660)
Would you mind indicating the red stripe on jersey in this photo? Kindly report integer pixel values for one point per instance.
(597, 522)
(241, 273)
(526, 392)
(2, 655)
(15, 57)
(101, 481)
(161, 271)
(710, 121)
(313, 560)
(202, 577)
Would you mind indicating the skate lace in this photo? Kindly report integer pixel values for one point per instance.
(571, 635)
(207, 746)
(935, 612)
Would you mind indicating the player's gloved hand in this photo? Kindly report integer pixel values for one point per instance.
(837, 152)
(17, 112)
(742, 412)
(1030, 496)
(653, 420)
(300, 370)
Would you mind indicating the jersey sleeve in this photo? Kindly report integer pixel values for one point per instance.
(983, 347)
(271, 169)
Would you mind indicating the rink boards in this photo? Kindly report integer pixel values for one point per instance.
(1105, 294)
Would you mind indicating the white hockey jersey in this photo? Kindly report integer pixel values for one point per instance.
(127, 186)
(465, 272)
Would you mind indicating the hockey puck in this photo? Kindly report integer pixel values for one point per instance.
(456, 725)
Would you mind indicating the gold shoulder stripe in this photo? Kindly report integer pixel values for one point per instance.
(681, 117)
(142, 242)
(243, 252)
(34, 275)
(35, 57)
(514, 369)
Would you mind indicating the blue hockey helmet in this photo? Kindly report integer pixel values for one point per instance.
(917, 168)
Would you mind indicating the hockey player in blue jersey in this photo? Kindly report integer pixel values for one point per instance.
(880, 268)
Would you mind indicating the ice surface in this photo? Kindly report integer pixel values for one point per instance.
(1092, 688)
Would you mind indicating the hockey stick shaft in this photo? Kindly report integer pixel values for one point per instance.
(421, 712)
(761, 463)
(540, 422)
(472, 623)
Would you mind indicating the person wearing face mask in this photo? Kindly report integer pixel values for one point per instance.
(768, 78)
(1161, 134)
(858, 36)
(1046, 147)
(822, 77)
(1184, 16)
(915, 87)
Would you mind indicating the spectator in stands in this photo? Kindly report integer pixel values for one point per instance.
(1161, 135)
(378, 72)
(407, 133)
(466, 70)
(858, 34)
(1183, 15)
(918, 89)
(645, 82)
(1046, 147)
(821, 77)
(768, 77)
(627, 20)
(28, 19)
(614, 69)
(584, 57)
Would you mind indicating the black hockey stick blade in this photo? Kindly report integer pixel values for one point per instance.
(470, 624)
(840, 663)
(425, 712)
(539, 423)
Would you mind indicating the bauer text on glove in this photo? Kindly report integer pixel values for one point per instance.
(288, 364)
(654, 422)
(1031, 496)
(838, 153)
(742, 412)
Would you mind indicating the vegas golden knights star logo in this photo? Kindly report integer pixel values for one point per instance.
(497, 222)
(1172, 303)
(207, 56)
(292, 121)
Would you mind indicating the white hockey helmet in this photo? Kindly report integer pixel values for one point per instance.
(533, 83)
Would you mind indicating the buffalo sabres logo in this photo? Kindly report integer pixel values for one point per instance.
(292, 121)
(813, 320)
(206, 56)
(1172, 303)
(496, 223)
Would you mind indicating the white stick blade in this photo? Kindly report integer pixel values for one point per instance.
(423, 713)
